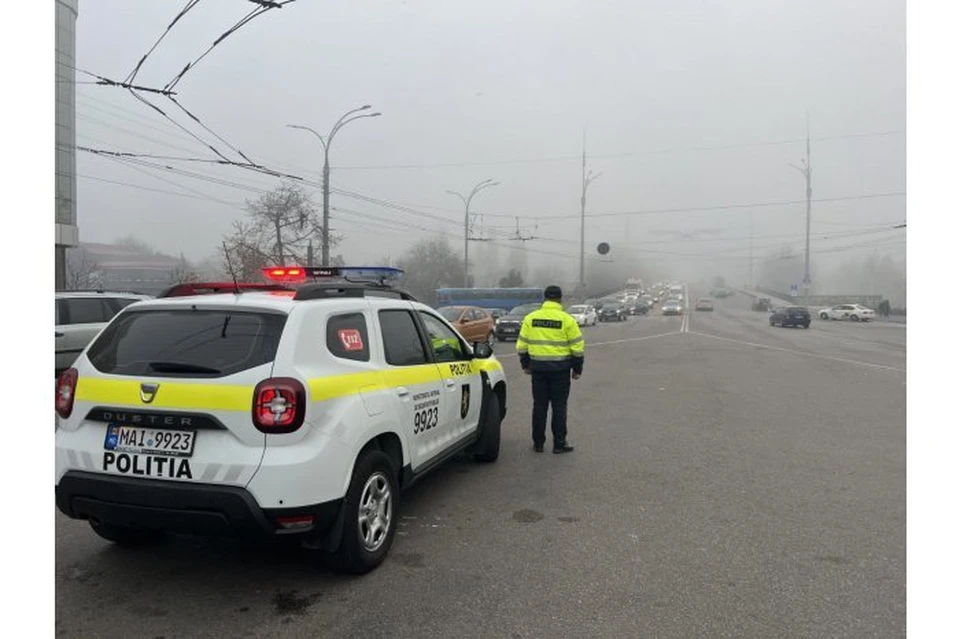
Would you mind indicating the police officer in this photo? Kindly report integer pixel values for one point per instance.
(551, 352)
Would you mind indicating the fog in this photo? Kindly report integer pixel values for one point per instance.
(692, 113)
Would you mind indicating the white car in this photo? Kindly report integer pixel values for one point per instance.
(585, 314)
(298, 414)
(80, 315)
(852, 312)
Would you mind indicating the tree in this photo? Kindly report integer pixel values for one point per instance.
(277, 230)
(513, 279)
(430, 264)
(82, 271)
(183, 272)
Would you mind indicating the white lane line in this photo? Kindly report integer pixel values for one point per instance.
(631, 339)
(790, 350)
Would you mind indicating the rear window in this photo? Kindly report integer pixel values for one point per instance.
(347, 337)
(450, 313)
(187, 343)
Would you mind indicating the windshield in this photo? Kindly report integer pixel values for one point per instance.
(525, 309)
(450, 313)
(577, 309)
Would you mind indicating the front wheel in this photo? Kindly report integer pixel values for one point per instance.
(370, 515)
(491, 340)
(854, 318)
(487, 448)
(824, 316)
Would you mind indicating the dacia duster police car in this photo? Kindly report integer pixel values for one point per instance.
(272, 414)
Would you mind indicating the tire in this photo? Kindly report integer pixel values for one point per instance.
(491, 340)
(123, 536)
(373, 475)
(824, 316)
(854, 318)
(487, 448)
(499, 339)
(806, 324)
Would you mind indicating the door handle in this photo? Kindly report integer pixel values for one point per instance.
(402, 392)
(59, 334)
(450, 383)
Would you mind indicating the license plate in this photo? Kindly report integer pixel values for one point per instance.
(149, 441)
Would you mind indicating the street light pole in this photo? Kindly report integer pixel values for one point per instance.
(586, 179)
(344, 120)
(466, 224)
(806, 171)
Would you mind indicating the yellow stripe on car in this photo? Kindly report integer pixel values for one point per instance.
(124, 392)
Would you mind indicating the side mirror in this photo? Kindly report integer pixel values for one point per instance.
(482, 350)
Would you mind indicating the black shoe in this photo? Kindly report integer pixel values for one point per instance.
(538, 448)
(562, 448)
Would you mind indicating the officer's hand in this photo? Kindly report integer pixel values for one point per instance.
(576, 375)
(526, 371)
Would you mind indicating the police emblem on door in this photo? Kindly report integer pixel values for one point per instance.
(465, 401)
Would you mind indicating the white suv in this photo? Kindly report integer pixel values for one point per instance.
(80, 316)
(271, 414)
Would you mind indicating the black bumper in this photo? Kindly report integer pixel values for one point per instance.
(190, 509)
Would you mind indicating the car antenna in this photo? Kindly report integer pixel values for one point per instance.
(233, 274)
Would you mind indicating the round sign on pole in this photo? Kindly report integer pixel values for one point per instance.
(603, 248)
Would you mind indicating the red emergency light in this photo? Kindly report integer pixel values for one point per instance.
(285, 274)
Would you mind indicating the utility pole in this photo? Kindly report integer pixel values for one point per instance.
(325, 143)
(806, 171)
(466, 224)
(585, 180)
(750, 265)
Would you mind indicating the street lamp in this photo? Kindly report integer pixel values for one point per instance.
(325, 143)
(466, 223)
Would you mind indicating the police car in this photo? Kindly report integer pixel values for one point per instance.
(271, 414)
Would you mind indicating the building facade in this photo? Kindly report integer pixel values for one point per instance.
(65, 211)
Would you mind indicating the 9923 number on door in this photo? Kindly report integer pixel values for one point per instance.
(424, 420)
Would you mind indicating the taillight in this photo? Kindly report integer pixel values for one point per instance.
(66, 389)
(279, 405)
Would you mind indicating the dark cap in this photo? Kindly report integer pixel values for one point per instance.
(552, 293)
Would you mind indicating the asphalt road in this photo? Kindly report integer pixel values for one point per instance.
(729, 479)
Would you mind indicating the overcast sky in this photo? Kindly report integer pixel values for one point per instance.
(503, 90)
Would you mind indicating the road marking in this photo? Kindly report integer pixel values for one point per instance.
(632, 339)
(795, 352)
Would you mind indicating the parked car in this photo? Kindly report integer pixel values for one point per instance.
(497, 313)
(613, 312)
(704, 304)
(788, 316)
(80, 316)
(584, 314)
(508, 326)
(852, 312)
(472, 322)
(761, 304)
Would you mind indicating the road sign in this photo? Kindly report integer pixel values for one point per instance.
(793, 290)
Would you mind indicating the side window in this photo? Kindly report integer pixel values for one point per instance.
(445, 343)
(88, 310)
(475, 315)
(120, 303)
(347, 337)
(401, 341)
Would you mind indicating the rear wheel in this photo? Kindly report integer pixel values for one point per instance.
(370, 515)
(487, 448)
(854, 318)
(124, 536)
(824, 316)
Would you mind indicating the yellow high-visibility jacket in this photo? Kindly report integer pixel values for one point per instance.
(550, 340)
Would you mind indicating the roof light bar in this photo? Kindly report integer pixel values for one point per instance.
(302, 273)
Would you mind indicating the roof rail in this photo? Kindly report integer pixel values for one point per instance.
(330, 290)
(101, 291)
(187, 289)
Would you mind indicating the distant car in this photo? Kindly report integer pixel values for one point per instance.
(640, 307)
(704, 304)
(585, 314)
(496, 313)
(80, 316)
(852, 312)
(672, 307)
(472, 322)
(761, 304)
(788, 316)
(613, 312)
(508, 326)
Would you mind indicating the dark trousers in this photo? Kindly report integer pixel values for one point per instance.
(550, 389)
